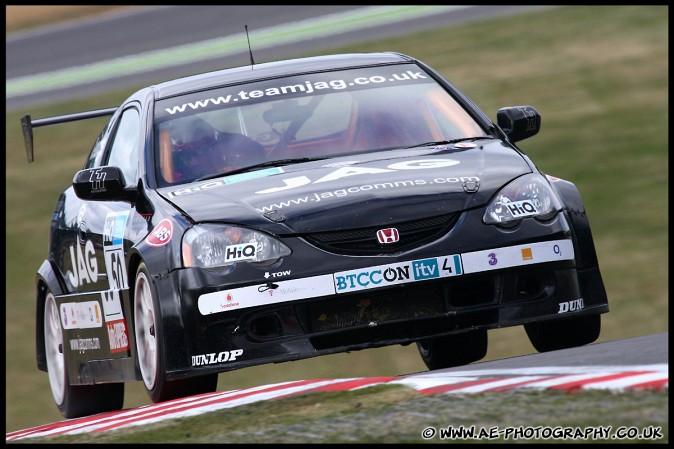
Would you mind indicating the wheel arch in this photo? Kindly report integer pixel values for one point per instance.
(579, 221)
(163, 280)
(164, 287)
(46, 279)
(154, 262)
(591, 283)
(135, 259)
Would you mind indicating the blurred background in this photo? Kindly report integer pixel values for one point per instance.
(598, 75)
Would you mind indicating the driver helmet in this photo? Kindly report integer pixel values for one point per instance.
(192, 133)
(192, 140)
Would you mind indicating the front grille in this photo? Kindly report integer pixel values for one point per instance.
(364, 240)
(377, 307)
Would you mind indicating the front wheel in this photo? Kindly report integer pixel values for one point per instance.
(73, 401)
(453, 350)
(566, 333)
(150, 348)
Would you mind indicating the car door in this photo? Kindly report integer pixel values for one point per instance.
(95, 268)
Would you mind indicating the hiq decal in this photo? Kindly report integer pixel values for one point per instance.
(241, 251)
(115, 223)
(212, 184)
(524, 208)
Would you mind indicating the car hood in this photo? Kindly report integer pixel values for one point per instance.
(362, 190)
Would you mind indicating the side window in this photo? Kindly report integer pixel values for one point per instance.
(96, 153)
(125, 148)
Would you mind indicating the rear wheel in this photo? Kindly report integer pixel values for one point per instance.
(453, 350)
(73, 400)
(566, 333)
(150, 347)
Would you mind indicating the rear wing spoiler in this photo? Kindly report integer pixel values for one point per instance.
(27, 124)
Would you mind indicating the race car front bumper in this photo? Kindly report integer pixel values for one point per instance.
(396, 303)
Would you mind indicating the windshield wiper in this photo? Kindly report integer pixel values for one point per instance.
(447, 142)
(275, 163)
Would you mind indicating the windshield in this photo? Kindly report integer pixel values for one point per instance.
(289, 119)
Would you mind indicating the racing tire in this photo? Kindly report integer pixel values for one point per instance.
(150, 348)
(73, 401)
(453, 350)
(562, 334)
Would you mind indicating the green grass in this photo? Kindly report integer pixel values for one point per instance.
(599, 77)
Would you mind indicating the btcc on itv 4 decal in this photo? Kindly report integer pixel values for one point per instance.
(298, 208)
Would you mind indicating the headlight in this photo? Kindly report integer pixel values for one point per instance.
(211, 246)
(527, 196)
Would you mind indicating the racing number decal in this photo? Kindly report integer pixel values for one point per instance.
(114, 262)
(161, 234)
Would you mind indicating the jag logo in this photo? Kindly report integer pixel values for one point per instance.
(85, 267)
(343, 172)
(213, 358)
(571, 306)
(161, 234)
(388, 235)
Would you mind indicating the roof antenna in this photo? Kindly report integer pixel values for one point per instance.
(249, 49)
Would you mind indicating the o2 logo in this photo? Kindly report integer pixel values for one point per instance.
(161, 234)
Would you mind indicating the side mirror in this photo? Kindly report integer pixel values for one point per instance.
(101, 184)
(519, 122)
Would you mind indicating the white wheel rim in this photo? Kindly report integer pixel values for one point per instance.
(53, 346)
(145, 329)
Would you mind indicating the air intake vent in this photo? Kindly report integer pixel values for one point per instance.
(364, 240)
(382, 306)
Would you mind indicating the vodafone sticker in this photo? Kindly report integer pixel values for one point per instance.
(161, 234)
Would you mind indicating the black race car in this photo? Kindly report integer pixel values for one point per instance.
(292, 209)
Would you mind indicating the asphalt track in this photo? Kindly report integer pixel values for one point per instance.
(643, 366)
(157, 43)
